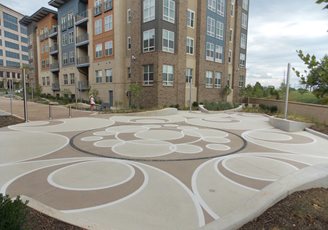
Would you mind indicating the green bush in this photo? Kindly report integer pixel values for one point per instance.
(195, 104)
(217, 106)
(12, 213)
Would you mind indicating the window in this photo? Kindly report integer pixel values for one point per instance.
(11, 45)
(149, 40)
(242, 61)
(109, 75)
(169, 11)
(63, 23)
(168, 41)
(148, 71)
(212, 5)
(10, 21)
(129, 16)
(129, 43)
(190, 45)
(98, 76)
(167, 75)
(108, 23)
(245, 4)
(70, 20)
(65, 79)
(188, 75)
(230, 35)
(98, 26)
(11, 36)
(243, 40)
(65, 59)
(232, 9)
(217, 80)
(109, 48)
(12, 55)
(70, 37)
(209, 51)
(221, 7)
(98, 50)
(97, 9)
(129, 72)
(210, 26)
(72, 78)
(230, 56)
(71, 57)
(48, 80)
(244, 20)
(219, 30)
(219, 54)
(24, 49)
(108, 5)
(190, 18)
(209, 79)
(43, 81)
(148, 10)
(23, 29)
(241, 81)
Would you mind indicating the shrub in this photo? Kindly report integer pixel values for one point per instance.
(12, 213)
(195, 104)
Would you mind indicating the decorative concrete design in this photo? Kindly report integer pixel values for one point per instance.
(182, 171)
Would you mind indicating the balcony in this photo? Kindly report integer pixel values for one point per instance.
(55, 87)
(81, 18)
(82, 39)
(82, 61)
(53, 49)
(53, 32)
(97, 10)
(54, 67)
(108, 5)
(43, 36)
(83, 86)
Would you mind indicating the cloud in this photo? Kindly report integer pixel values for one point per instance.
(26, 7)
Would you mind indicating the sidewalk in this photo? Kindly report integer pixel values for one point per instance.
(37, 112)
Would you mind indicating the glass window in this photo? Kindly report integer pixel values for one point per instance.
(244, 20)
(72, 78)
(98, 26)
(209, 79)
(109, 48)
(242, 58)
(241, 81)
(148, 10)
(219, 30)
(190, 18)
(232, 10)
(129, 43)
(230, 56)
(188, 75)
(149, 40)
(12, 54)
(70, 37)
(221, 7)
(11, 45)
(190, 45)
(65, 79)
(169, 11)
(148, 71)
(218, 53)
(168, 75)
(129, 16)
(168, 41)
(245, 4)
(108, 23)
(210, 26)
(109, 75)
(243, 41)
(11, 36)
(65, 58)
(99, 50)
(217, 80)
(71, 57)
(98, 76)
(209, 51)
(212, 5)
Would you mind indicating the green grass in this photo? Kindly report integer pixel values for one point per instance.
(307, 97)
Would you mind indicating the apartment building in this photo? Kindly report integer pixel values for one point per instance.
(13, 47)
(174, 50)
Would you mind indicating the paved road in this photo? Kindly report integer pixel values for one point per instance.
(182, 171)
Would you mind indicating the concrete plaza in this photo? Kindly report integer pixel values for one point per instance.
(179, 171)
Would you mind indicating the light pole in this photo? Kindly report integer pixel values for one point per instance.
(287, 91)
(190, 84)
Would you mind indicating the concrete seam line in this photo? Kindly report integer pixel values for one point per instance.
(309, 177)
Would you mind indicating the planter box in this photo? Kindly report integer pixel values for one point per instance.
(288, 125)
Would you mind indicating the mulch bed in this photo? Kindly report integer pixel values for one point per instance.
(9, 120)
(301, 210)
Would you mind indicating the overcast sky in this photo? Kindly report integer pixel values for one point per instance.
(277, 28)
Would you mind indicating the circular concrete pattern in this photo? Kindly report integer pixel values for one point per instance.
(91, 175)
(91, 138)
(158, 142)
(162, 135)
(269, 136)
(35, 144)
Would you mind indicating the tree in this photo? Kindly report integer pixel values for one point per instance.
(323, 1)
(136, 91)
(316, 77)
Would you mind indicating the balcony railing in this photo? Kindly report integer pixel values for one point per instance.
(97, 10)
(54, 66)
(82, 86)
(83, 38)
(53, 31)
(83, 60)
(81, 17)
(43, 36)
(55, 87)
(54, 49)
(108, 5)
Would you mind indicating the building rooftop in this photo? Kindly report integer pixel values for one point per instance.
(37, 16)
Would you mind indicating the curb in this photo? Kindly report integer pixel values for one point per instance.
(310, 177)
(314, 132)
